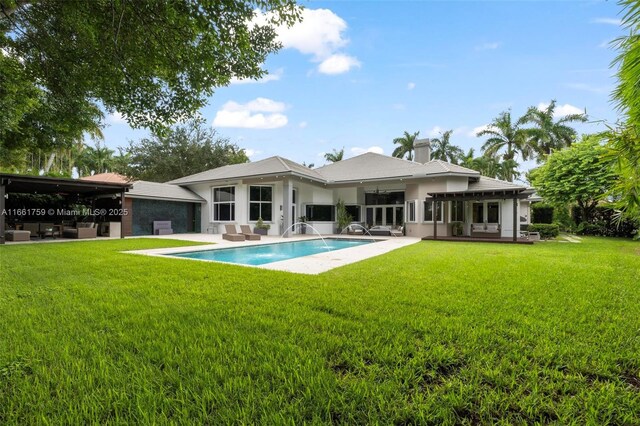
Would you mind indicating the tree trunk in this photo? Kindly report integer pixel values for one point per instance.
(10, 10)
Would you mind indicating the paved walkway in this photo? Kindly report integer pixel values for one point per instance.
(314, 264)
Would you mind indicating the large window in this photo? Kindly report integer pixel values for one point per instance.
(261, 203)
(493, 212)
(411, 211)
(354, 212)
(224, 204)
(321, 213)
(428, 211)
(478, 212)
(457, 211)
(382, 198)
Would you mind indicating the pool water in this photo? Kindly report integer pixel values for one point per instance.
(268, 253)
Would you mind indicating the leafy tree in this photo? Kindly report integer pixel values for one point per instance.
(406, 145)
(624, 142)
(184, 150)
(578, 174)
(334, 156)
(506, 137)
(155, 62)
(443, 149)
(549, 134)
(624, 152)
(95, 160)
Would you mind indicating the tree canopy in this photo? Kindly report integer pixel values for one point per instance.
(335, 156)
(154, 62)
(578, 174)
(443, 149)
(405, 147)
(183, 150)
(550, 133)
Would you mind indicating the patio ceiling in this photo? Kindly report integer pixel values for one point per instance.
(519, 193)
(21, 184)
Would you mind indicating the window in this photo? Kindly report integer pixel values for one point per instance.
(224, 204)
(478, 212)
(457, 211)
(260, 203)
(428, 211)
(411, 211)
(382, 198)
(320, 213)
(354, 212)
(493, 212)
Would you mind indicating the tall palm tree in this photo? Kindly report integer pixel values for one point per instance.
(443, 149)
(406, 145)
(508, 136)
(334, 156)
(548, 134)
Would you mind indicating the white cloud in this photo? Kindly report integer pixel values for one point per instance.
(302, 124)
(435, 132)
(375, 149)
(275, 76)
(251, 152)
(608, 21)
(260, 113)
(561, 110)
(478, 129)
(488, 46)
(116, 118)
(338, 64)
(319, 34)
(411, 86)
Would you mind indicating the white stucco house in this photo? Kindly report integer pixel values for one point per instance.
(378, 190)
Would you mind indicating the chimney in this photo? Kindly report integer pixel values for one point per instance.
(422, 148)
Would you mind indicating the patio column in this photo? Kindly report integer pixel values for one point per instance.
(435, 220)
(516, 219)
(122, 214)
(3, 217)
(287, 197)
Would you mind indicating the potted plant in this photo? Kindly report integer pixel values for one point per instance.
(343, 218)
(456, 229)
(302, 220)
(261, 227)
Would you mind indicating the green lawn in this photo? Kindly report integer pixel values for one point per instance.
(433, 333)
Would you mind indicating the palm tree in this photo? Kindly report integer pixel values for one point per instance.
(466, 160)
(334, 156)
(442, 149)
(406, 145)
(549, 135)
(503, 134)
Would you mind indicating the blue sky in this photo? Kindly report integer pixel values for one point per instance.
(358, 74)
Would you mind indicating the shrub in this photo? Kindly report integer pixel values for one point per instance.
(602, 223)
(541, 213)
(546, 230)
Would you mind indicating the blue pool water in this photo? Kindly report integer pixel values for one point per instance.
(268, 253)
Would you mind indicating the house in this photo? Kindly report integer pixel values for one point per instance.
(148, 202)
(424, 195)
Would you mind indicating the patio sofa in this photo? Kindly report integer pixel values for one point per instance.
(82, 230)
(385, 231)
(17, 235)
(485, 230)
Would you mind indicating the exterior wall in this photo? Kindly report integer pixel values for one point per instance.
(183, 216)
(418, 193)
(127, 220)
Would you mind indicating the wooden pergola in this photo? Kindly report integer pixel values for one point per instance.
(25, 184)
(515, 194)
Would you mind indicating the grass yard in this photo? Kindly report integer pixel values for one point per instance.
(433, 333)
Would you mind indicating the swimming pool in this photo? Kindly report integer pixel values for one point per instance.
(269, 253)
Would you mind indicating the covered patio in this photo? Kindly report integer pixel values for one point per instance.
(514, 195)
(103, 202)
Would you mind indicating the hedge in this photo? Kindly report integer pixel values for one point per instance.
(541, 213)
(546, 230)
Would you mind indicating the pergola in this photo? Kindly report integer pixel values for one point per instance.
(24, 184)
(512, 193)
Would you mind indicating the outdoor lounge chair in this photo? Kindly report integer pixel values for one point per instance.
(249, 235)
(231, 234)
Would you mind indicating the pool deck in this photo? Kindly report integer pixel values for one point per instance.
(313, 264)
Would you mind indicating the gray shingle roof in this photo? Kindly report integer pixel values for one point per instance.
(268, 166)
(490, 184)
(163, 191)
(371, 166)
